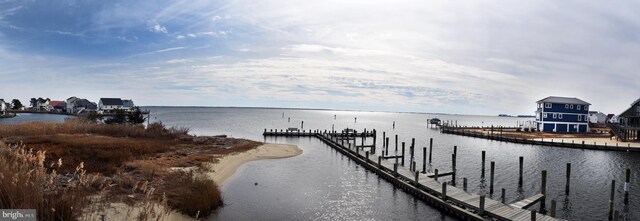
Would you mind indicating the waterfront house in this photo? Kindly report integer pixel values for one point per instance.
(562, 115)
(631, 116)
(78, 105)
(596, 117)
(106, 105)
(56, 106)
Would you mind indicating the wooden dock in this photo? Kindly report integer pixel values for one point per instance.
(425, 186)
(470, 133)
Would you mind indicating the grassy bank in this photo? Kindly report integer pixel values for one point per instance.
(66, 170)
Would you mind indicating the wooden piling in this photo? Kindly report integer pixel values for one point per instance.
(416, 178)
(402, 153)
(552, 211)
(503, 195)
(444, 191)
(521, 171)
(424, 160)
(481, 207)
(397, 144)
(367, 155)
(435, 173)
(395, 169)
(386, 147)
(455, 149)
(464, 184)
(302, 125)
(613, 191)
(412, 152)
(379, 161)
(567, 187)
(453, 169)
(430, 149)
(627, 178)
(533, 215)
(543, 189)
(493, 167)
(483, 160)
(375, 137)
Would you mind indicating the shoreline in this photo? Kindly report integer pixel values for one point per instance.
(226, 166)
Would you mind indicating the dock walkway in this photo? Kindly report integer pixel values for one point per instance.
(464, 205)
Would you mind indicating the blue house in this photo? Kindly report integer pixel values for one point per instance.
(562, 115)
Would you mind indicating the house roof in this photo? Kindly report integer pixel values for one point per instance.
(563, 100)
(111, 101)
(57, 103)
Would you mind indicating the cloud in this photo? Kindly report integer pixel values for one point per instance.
(157, 28)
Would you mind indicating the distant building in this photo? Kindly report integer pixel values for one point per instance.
(127, 104)
(562, 115)
(56, 106)
(4, 106)
(596, 117)
(631, 116)
(110, 104)
(77, 105)
(612, 118)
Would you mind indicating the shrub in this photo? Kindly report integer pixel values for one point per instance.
(194, 195)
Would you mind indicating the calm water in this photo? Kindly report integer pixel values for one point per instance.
(33, 117)
(321, 184)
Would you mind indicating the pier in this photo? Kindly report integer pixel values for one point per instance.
(469, 132)
(421, 184)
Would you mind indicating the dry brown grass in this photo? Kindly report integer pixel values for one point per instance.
(121, 159)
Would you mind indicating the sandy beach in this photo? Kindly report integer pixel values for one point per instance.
(227, 166)
(220, 171)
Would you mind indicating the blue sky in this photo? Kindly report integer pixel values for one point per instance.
(467, 57)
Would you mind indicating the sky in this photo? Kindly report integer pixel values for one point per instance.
(461, 57)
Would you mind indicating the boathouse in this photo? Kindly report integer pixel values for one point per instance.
(628, 124)
(562, 115)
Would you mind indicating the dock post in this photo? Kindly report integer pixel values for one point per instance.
(387, 147)
(521, 171)
(416, 178)
(464, 184)
(375, 137)
(627, 178)
(424, 160)
(453, 169)
(379, 161)
(395, 170)
(613, 191)
(367, 155)
(444, 191)
(302, 125)
(552, 211)
(412, 150)
(533, 215)
(414, 166)
(435, 174)
(481, 212)
(493, 167)
(567, 187)
(397, 144)
(483, 160)
(455, 149)
(402, 163)
(503, 195)
(543, 189)
(430, 149)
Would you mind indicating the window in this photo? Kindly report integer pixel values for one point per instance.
(547, 105)
(579, 117)
(571, 107)
(545, 115)
(586, 107)
(566, 106)
(555, 116)
(578, 107)
(560, 116)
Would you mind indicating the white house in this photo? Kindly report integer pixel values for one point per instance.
(109, 104)
(596, 117)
